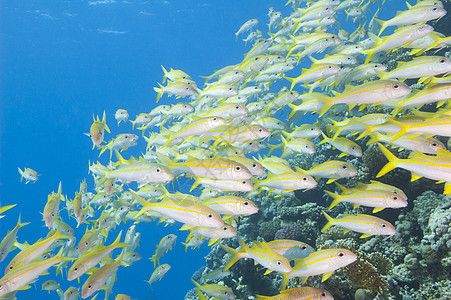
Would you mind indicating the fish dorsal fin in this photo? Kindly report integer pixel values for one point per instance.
(414, 177)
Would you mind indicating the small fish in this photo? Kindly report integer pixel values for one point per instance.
(158, 273)
(216, 290)
(28, 174)
(163, 247)
(300, 293)
(97, 131)
(174, 75)
(366, 224)
(177, 88)
(332, 169)
(261, 253)
(20, 278)
(50, 285)
(320, 262)
(346, 146)
(248, 25)
(9, 239)
(121, 115)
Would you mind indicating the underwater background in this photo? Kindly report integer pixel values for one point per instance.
(62, 62)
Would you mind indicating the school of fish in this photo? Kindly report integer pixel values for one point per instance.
(222, 139)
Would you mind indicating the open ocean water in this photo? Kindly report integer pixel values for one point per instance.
(63, 61)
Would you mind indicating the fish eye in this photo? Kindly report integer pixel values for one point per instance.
(238, 168)
(224, 228)
(10, 267)
(246, 203)
(353, 148)
(209, 216)
(323, 294)
(279, 262)
(304, 178)
(396, 86)
(89, 286)
(442, 60)
(186, 88)
(434, 144)
(243, 182)
(158, 170)
(303, 247)
(434, 9)
(395, 198)
(237, 73)
(225, 292)
(376, 66)
(214, 119)
(237, 107)
(330, 67)
(53, 215)
(341, 254)
(344, 167)
(75, 269)
(383, 225)
(260, 130)
(230, 89)
(254, 165)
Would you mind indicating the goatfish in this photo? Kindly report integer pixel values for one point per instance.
(5, 208)
(120, 142)
(379, 199)
(140, 171)
(401, 36)
(214, 168)
(332, 169)
(97, 130)
(288, 181)
(215, 290)
(28, 174)
(121, 115)
(346, 146)
(261, 253)
(214, 234)
(20, 277)
(366, 224)
(416, 14)
(51, 208)
(100, 276)
(31, 252)
(231, 205)
(174, 75)
(291, 249)
(158, 273)
(91, 258)
(299, 293)
(373, 92)
(196, 127)
(163, 246)
(177, 88)
(9, 239)
(185, 211)
(421, 165)
(413, 142)
(248, 25)
(320, 262)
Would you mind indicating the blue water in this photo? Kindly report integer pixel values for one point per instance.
(63, 61)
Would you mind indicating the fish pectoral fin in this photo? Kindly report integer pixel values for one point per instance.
(377, 209)
(24, 288)
(365, 236)
(414, 177)
(356, 205)
(267, 271)
(326, 276)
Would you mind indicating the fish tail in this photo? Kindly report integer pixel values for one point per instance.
(335, 197)
(165, 73)
(374, 138)
(143, 202)
(393, 161)
(154, 258)
(293, 110)
(330, 222)
(273, 147)
(159, 91)
(102, 149)
(292, 80)
(21, 174)
(327, 104)
(19, 225)
(200, 295)
(325, 139)
(235, 256)
(383, 25)
(195, 184)
(196, 284)
(343, 189)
